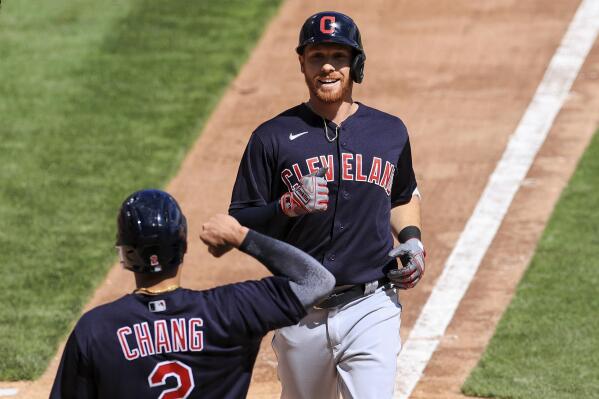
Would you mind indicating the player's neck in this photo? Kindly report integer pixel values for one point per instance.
(158, 282)
(336, 112)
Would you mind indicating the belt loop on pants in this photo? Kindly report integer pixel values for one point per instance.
(344, 294)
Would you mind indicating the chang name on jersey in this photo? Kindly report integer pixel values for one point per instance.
(161, 336)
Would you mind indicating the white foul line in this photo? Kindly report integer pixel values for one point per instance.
(503, 184)
(8, 391)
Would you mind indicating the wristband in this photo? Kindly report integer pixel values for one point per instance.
(409, 232)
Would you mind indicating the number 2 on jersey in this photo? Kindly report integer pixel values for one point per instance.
(176, 369)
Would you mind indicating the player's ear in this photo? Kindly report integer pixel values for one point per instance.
(301, 62)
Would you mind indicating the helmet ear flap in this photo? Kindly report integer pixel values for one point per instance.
(357, 67)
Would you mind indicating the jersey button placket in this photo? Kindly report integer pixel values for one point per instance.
(340, 227)
(343, 141)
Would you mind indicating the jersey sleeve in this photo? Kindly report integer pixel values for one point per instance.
(253, 308)
(253, 184)
(74, 378)
(404, 180)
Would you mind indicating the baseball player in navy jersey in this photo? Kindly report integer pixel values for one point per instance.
(334, 177)
(164, 341)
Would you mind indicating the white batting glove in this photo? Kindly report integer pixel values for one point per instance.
(311, 195)
(411, 254)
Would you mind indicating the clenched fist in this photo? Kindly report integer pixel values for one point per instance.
(222, 233)
(311, 195)
(411, 254)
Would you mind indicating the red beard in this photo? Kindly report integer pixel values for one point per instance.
(328, 96)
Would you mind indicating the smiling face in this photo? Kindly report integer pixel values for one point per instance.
(326, 68)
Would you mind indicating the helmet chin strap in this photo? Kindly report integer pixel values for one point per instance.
(119, 250)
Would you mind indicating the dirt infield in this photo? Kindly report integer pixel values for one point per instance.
(460, 74)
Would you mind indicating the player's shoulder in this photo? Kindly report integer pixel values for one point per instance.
(267, 287)
(132, 306)
(381, 117)
(101, 313)
(294, 118)
(269, 294)
(244, 285)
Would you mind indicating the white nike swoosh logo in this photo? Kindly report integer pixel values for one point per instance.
(294, 136)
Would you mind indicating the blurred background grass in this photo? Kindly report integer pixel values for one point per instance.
(97, 99)
(547, 343)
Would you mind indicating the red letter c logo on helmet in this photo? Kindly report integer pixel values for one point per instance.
(323, 24)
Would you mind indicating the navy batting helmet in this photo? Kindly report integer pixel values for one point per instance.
(334, 27)
(152, 232)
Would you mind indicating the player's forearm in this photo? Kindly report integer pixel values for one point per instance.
(256, 216)
(309, 280)
(406, 215)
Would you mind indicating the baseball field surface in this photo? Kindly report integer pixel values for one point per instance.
(501, 99)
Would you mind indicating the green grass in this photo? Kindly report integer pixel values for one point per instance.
(97, 99)
(547, 343)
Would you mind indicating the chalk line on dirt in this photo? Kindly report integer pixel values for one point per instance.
(8, 391)
(480, 230)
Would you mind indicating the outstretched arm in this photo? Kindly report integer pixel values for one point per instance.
(309, 280)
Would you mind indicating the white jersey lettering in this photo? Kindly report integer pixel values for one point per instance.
(179, 332)
(127, 352)
(196, 336)
(144, 339)
(162, 339)
(178, 335)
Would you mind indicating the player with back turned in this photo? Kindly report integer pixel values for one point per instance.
(164, 341)
(334, 178)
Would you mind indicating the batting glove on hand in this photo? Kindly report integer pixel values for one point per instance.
(411, 254)
(311, 195)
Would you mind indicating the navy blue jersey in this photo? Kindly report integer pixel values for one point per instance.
(370, 171)
(181, 344)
